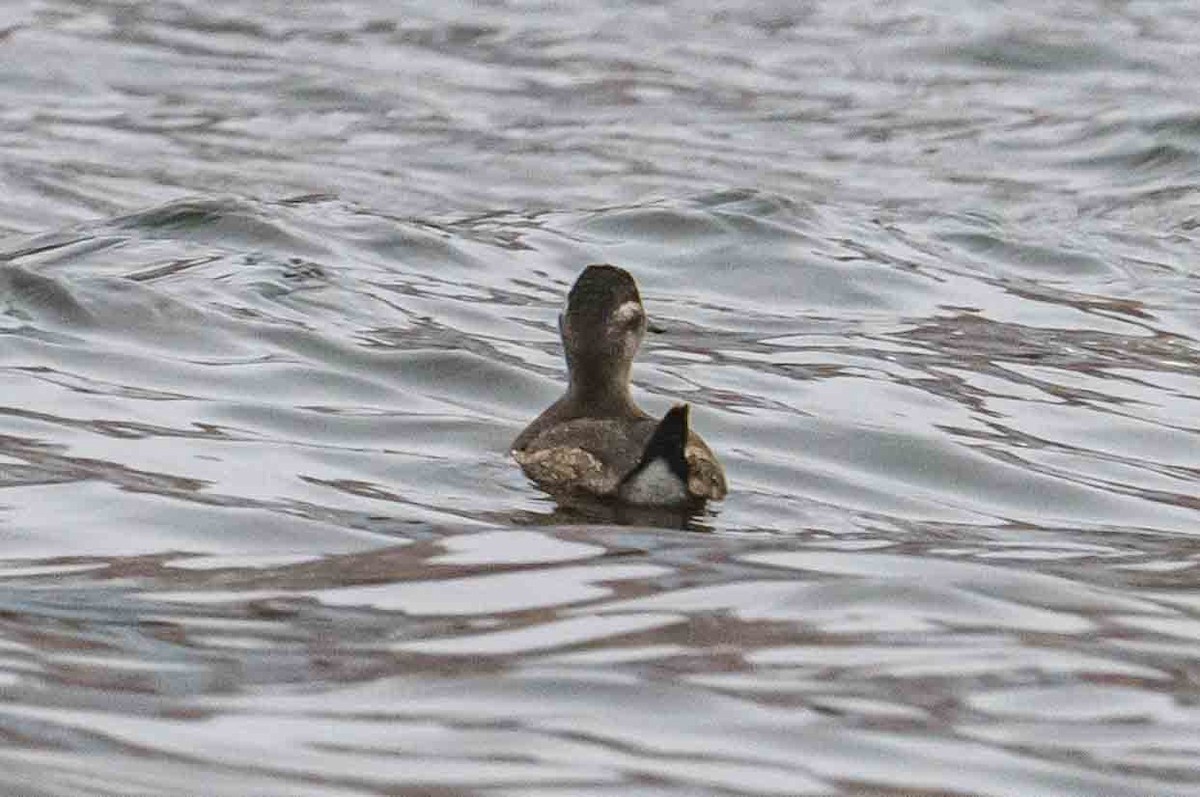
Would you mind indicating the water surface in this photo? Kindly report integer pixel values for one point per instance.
(279, 285)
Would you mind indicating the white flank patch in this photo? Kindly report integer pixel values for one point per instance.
(655, 485)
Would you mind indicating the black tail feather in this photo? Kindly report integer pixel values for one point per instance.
(668, 443)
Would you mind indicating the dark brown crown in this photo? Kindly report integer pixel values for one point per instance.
(598, 292)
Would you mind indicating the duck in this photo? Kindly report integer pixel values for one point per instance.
(595, 441)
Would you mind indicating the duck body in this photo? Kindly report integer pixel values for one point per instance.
(595, 440)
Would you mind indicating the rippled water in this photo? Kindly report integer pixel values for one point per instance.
(279, 286)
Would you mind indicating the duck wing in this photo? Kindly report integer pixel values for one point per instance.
(585, 455)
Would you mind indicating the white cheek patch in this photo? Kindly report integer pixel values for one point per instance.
(627, 312)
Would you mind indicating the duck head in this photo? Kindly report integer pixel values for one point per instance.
(602, 328)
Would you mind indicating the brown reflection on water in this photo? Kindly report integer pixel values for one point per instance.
(906, 640)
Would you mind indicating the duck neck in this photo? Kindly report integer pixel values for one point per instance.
(604, 392)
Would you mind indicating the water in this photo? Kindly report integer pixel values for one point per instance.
(279, 287)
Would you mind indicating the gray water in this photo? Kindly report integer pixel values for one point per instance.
(279, 286)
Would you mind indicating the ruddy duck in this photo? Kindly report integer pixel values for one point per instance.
(595, 441)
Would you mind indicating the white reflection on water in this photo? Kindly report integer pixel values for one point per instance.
(708, 661)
